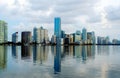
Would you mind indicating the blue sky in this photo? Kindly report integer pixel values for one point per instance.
(101, 16)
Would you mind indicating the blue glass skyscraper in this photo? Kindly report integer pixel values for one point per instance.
(57, 33)
(57, 29)
(84, 35)
(35, 34)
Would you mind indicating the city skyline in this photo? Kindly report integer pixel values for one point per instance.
(40, 39)
(101, 16)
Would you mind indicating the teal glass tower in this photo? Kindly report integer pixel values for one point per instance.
(57, 29)
(84, 35)
(57, 33)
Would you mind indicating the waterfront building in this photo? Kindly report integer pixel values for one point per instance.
(53, 39)
(26, 37)
(100, 40)
(89, 38)
(67, 39)
(35, 35)
(40, 35)
(3, 32)
(57, 29)
(84, 35)
(46, 38)
(116, 42)
(77, 37)
(103, 40)
(71, 39)
(62, 34)
(15, 37)
(93, 38)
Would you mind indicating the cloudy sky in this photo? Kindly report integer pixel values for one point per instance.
(101, 16)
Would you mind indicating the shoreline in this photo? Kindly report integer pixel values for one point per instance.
(20, 44)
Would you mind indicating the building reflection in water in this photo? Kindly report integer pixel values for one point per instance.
(40, 53)
(25, 52)
(103, 50)
(84, 52)
(57, 59)
(67, 51)
(3, 57)
(15, 51)
(91, 51)
(77, 50)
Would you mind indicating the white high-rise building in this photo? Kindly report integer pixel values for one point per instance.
(3, 32)
(40, 35)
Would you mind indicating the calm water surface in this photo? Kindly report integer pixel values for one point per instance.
(59, 62)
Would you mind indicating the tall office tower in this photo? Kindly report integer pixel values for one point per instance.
(57, 29)
(46, 38)
(15, 37)
(26, 37)
(41, 35)
(93, 38)
(84, 35)
(35, 34)
(57, 33)
(3, 32)
(89, 38)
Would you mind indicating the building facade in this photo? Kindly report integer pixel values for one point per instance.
(3, 32)
(57, 29)
(84, 35)
(26, 37)
(40, 35)
(15, 37)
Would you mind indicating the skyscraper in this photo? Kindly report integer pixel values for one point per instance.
(35, 34)
(84, 35)
(93, 38)
(3, 32)
(46, 38)
(89, 38)
(40, 35)
(57, 33)
(15, 37)
(57, 29)
(26, 37)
